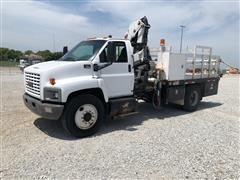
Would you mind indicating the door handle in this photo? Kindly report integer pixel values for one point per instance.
(129, 68)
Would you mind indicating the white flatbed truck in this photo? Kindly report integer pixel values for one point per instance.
(103, 77)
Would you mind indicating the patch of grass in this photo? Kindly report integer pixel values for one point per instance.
(8, 64)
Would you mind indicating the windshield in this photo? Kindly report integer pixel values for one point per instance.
(83, 51)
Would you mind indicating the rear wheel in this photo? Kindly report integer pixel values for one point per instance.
(192, 98)
(83, 115)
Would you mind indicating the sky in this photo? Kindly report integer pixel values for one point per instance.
(40, 25)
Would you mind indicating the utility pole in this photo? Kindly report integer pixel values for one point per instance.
(53, 42)
(181, 26)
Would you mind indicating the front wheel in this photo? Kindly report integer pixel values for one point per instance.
(83, 115)
(192, 98)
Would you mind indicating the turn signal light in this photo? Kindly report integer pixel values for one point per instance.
(52, 81)
(162, 42)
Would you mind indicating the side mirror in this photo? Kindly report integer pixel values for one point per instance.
(65, 50)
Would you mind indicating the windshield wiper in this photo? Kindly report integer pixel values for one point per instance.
(68, 59)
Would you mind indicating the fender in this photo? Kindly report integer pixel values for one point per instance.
(73, 84)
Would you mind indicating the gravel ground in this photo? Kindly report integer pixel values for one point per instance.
(168, 143)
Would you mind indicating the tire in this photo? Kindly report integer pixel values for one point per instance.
(83, 115)
(192, 98)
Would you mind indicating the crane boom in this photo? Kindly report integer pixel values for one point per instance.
(138, 35)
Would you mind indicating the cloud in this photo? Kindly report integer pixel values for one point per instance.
(207, 23)
(198, 15)
(35, 25)
(42, 14)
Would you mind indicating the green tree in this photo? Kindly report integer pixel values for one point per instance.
(10, 54)
(46, 54)
(57, 55)
(3, 53)
(28, 52)
(18, 55)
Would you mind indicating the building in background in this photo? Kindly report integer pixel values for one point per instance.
(29, 60)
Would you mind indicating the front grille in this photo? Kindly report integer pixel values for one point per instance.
(32, 83)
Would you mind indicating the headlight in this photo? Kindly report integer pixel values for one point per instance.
(52, 94)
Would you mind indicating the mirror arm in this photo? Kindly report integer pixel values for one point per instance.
(97, 67)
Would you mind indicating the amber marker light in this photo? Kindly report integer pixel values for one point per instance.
(162, 42)
(52, 81)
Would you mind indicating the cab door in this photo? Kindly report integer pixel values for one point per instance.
(119, 76)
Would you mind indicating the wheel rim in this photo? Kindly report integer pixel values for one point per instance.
(86, 116)
(194, 98)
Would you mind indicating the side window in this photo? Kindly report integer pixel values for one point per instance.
(120, 52)
(103, 55)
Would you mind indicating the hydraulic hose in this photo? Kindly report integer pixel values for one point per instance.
(156, 99)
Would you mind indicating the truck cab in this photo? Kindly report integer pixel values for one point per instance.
(101, 68)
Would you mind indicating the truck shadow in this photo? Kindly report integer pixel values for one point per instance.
(128, 123)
